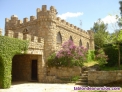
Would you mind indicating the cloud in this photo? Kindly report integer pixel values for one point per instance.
(110, 19)
(69, 15)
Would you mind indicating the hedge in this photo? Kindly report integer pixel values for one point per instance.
(8, 48)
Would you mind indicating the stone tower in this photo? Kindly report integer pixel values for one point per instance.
(47, 28)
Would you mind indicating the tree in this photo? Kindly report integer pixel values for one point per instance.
(101, 36)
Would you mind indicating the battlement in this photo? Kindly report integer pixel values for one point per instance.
(44, 14)
(22, 36)
(41, 14)
(65, 24)
(51, 13)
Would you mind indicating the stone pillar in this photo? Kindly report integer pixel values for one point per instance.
(41, 69)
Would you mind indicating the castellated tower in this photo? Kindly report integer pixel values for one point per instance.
(47, 28)
(43, 26)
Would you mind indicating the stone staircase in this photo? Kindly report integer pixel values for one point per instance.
(83, 79)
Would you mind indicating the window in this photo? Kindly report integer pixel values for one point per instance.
(59, 38)
(87, 45)
(80, 43)
(25, 31)
(71, 38)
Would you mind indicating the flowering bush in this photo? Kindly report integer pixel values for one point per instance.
(70, 55)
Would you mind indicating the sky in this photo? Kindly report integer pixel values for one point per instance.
(81, 13)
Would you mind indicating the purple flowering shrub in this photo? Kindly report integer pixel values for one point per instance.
(70, 55)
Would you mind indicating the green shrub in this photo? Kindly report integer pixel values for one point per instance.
(8, 48)
(101, 57)
(90, 55)
(75, 78)
(112, 53)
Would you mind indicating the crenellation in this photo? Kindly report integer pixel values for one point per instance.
(71, 25)
(78, 28)
(40, 40)
(14, 17)
(44, 8)
(32, 18)
(53, 10)
(63, 22)
(34, 39)
(58, 19)
(74, 27)
(38, 10)
(9, 33)
(18, 35)
(25, 20)
(27, 37)
(19, 22)
(7, 20)
(67, 23)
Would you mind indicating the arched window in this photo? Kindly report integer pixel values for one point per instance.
(25, 31)
(80, 43)
(87, 45)
(59, 38)
(71, 38)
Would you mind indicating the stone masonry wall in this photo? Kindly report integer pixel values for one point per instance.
(64, 72)
(104, 77)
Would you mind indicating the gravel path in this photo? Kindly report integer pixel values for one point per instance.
(40, 87)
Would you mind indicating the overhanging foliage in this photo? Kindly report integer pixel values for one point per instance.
(8, 48)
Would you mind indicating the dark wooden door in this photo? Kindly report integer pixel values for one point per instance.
(34, 70)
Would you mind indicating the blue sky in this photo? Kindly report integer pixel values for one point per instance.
(88, 11)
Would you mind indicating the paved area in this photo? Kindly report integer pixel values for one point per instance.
(40, 87)
(43, 87)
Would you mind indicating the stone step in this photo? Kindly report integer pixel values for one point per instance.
(85, 72)
(84, 77)
(83, 80)
(81, 83)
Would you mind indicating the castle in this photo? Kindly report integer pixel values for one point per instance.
(46, 32)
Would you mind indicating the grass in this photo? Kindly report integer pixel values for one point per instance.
(90, 63)
(75, 78)
(103, 68)
(72, 79)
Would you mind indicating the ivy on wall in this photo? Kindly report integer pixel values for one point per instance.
(8, 48)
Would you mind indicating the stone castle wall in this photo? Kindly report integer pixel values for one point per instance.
(104, 77)
(46, 25)
(36, 44)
